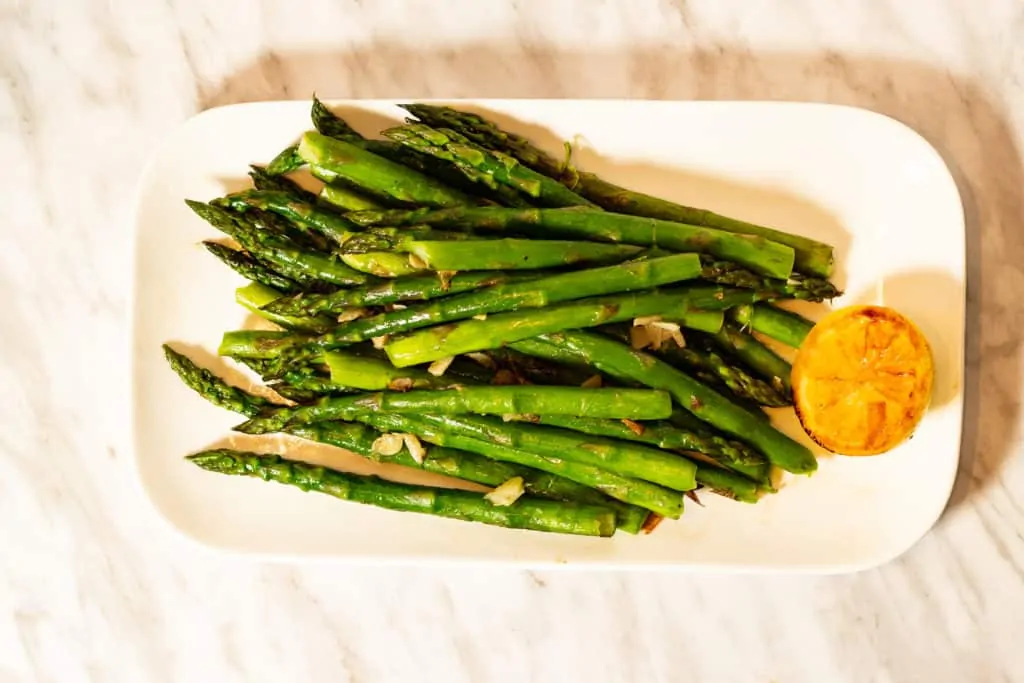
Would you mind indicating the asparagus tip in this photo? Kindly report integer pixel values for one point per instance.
(263, 423)
(217, 460)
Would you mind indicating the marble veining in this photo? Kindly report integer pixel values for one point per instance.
(94, 587)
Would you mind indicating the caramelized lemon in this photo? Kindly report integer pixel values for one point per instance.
(862, 380)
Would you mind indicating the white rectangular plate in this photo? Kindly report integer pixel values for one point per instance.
(859, 180)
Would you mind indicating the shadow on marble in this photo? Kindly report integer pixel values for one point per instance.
(964, 123)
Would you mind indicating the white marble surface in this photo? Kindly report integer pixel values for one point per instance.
(93, 587)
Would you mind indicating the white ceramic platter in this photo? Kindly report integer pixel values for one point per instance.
(859, 180)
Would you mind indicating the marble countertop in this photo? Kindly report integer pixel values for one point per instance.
(93, 587)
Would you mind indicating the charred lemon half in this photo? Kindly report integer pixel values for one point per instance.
(862, 380)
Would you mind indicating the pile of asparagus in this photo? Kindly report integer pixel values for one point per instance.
(454, 299)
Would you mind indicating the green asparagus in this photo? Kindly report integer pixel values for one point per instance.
(635, 404)
(212, 388)
(286, 161)
(758, 357)
(784, 326)
(728, 484)
(710, 367)
(510, 254)
(474, 335)
(347, 199)
(526, 513)
(529, 294)
(359, 439)
(480, 165)
(377, 374)
(254, 296)
(411, 288)
(376, 175)
(619, 360)
(250, 268)
(331, 225)
(262, 180)
(629, 459)
(798, 286)
(286, 260)
(756, 253)
(259, 344)
(811, 256)
(383, 264)
(306, 389)
(657, 499)
(730, 454)
(330, 124)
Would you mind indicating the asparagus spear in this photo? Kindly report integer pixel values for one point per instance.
(711, 368)
(525, 513)
(533, 293)
(811, 256)
(412, 288)
(784, 326)
(619, 360)
(250, 268)
(212, 388)
(359, 438)
(330, 124)
(376, 175)
(264, 345)
(657, 499)
(348, 199)
(798, 286)
(758, 357)
(254, 296)
(293, 263)
(278, 183)
(305, 389)
(306, 214)
(286, 161)
(621, 457)
(728, 484)
(377, 374)
(756, 253)
(381, 264)
(480, 165)
(638, 404)
(525, 369)
(474, 335)
(509, 254)
(395, 239)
